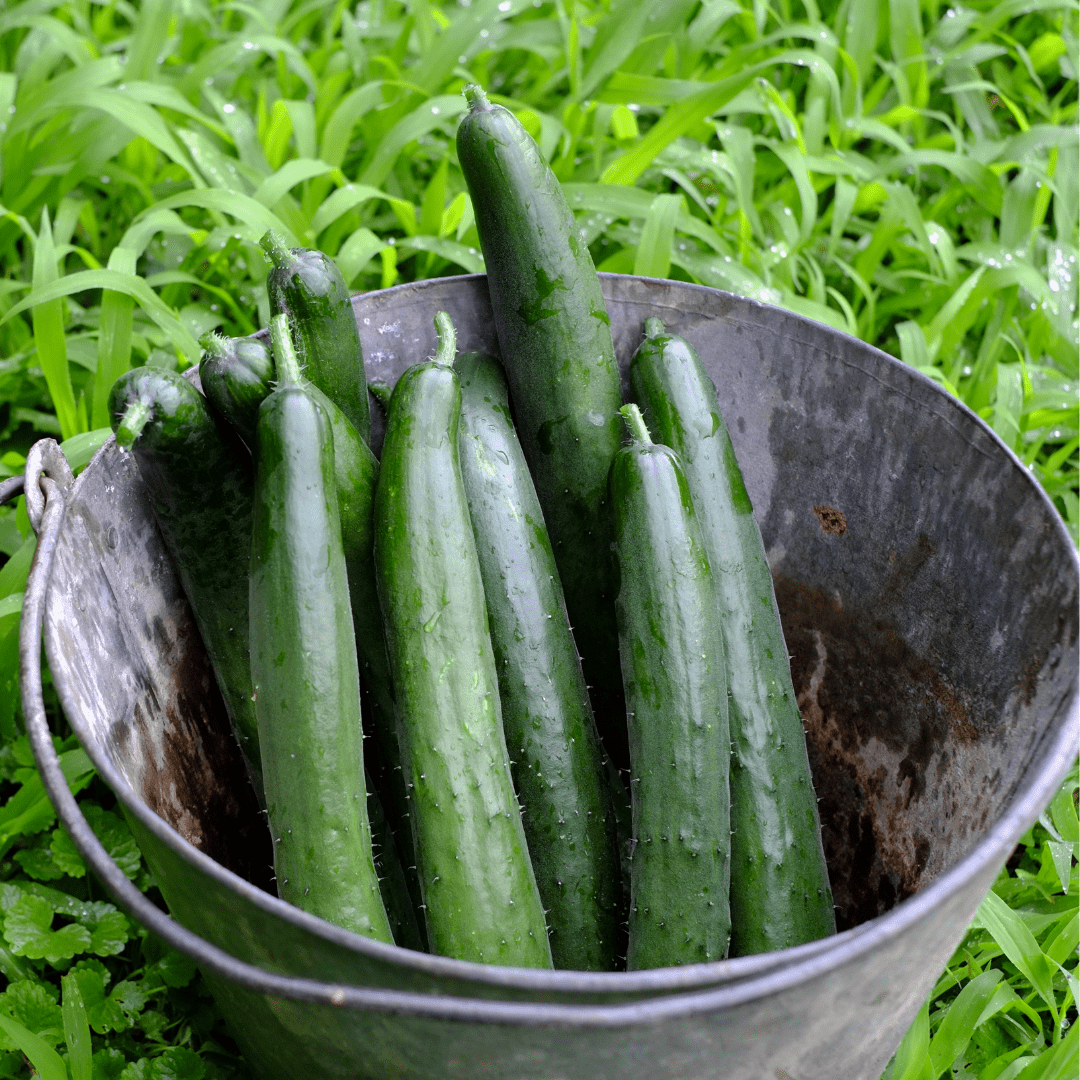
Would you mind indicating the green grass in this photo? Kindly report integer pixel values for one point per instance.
(905, 171)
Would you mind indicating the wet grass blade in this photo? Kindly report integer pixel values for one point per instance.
(48, 320)
(1019, 945)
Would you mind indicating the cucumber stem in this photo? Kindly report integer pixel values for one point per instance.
(136, 416)
(213, 344)
(285, 359)
(654, 328)
(447, 349)
(635, 424)
(275, 249)
(477, 99)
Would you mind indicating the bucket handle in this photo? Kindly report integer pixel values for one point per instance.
(46, 483)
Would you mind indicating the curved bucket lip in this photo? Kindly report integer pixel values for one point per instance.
(721, 983)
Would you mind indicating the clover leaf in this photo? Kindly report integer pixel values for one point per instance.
(28, 929)
(34, 1005)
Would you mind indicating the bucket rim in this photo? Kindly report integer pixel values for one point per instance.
(715, 983)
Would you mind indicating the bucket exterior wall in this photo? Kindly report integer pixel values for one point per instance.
(929, 599)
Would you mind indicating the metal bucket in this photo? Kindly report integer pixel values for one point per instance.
(929, 597)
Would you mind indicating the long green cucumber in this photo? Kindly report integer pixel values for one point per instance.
(199, 479)
(556, 759)
(672, 656)
(356, 471)
(555, 340)
(780, 893)
(307, 286)
(480, 894)
(236, 376)
(303, 663)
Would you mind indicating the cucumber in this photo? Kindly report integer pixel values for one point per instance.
(199, 479)
(308, 287)
(236, 376)
(356, 472)
(303, 663)
(672, 656)
(480, 894)
(557, 763)
(780, 893)
(555, 340)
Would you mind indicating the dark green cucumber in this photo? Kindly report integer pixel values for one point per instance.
(556, 759)
(199, 479)
(672, 656)
(308, 287)
(480, 895)
(780, 893)
(356, 472)
(303, 663)
(555, 340)
(236, 375)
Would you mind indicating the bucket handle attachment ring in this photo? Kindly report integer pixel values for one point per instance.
(47, 483)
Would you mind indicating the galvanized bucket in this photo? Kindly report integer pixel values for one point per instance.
(929, 596)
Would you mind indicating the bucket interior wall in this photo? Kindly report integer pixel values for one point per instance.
(929, 601)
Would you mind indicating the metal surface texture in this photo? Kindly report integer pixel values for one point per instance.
(928, 593)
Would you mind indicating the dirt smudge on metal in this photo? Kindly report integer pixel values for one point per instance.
(195, 778)
(884, 731)
(832, 520)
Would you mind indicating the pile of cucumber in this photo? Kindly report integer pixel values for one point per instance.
(517, 692)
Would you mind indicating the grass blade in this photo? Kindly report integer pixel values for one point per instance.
(1058, 1063)
(678, 120)
(129, 284)
(114, 338)
(469, 259)
(290, 174)
(464, 29)
(961, 1020)
(1008, 404)
(76, 1030)
(912, 1060)
(258, 218)
(337, 134)
(47, 1062)
(1019, 945)
(425, 118)
(615, 40)
(151, 30)
(341, 202)
(357, 252)
(48, 322)
(653, 257)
